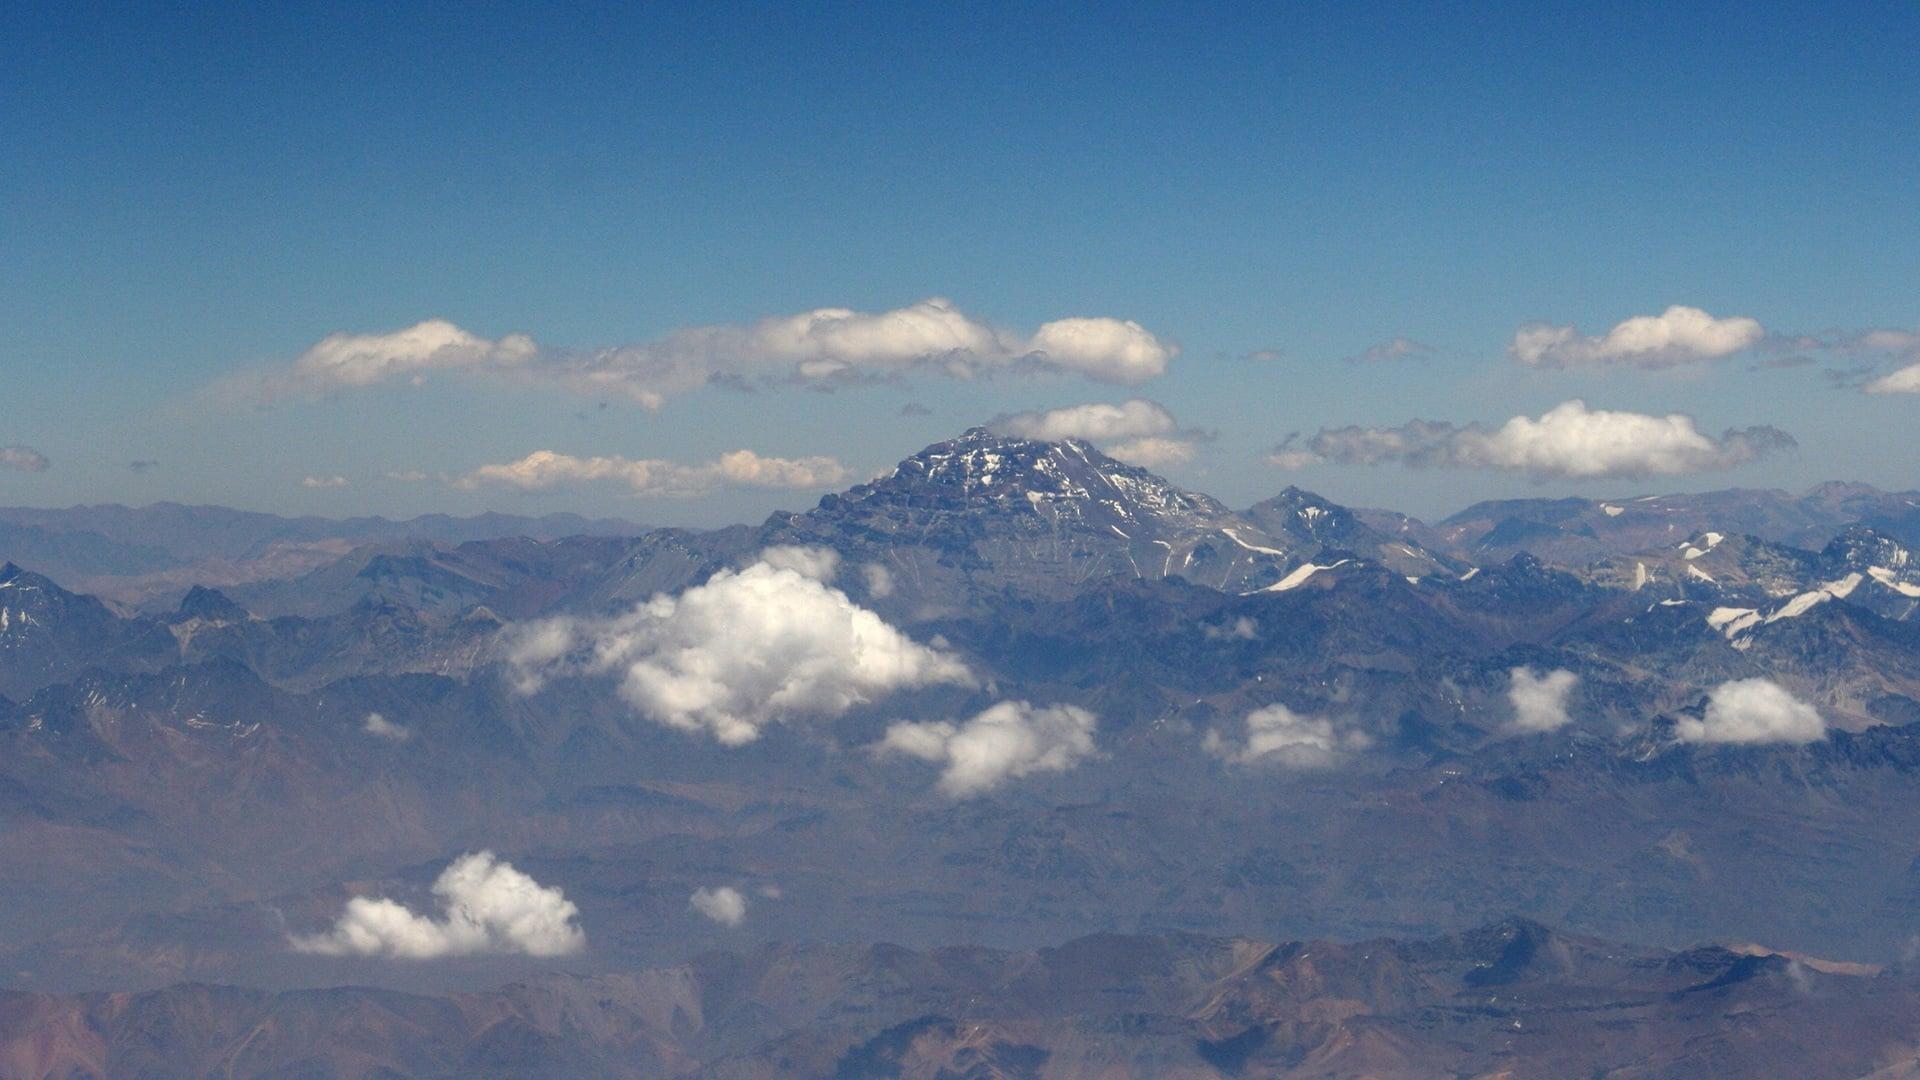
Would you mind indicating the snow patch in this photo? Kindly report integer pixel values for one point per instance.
(1235, 537)
(1299, 576)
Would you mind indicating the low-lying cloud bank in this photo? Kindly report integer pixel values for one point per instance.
(23, 459)
(489, 908)
(748, 649)
(816, 347)
(1010, 740)
(1569, 441)
(546, 470)
(1753, 711)
(1678, 336)
(1278, 734)
(1540, 701)
(1136, 431)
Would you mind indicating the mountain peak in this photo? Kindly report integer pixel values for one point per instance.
(981, 469)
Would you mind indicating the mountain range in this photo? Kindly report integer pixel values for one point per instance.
(1684, 722)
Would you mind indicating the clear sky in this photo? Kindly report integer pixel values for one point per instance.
(191, 200)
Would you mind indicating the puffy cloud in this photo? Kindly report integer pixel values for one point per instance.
(323, 483)
(544, 470)
(1540, 701)
(1904, 381)
(879, 580)
(1400, 348)
(364, 359)
(382, 728)
(1109, 350)
(1753, 711)
(822, 345)
(1569, 440)
(1138, 431)
(723, 904)
(1278, 734)
(1677, 336)
(23, 459)
(1242, 629)
(818, 563)
(745, 650)
(1009, 740)
(1154, 453)
(489, 907)
(1097, 422)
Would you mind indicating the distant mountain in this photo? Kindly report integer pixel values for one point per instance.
(1313, 525)
(1580, 531)
(137, 553)
(48, 634)
(1511, 998)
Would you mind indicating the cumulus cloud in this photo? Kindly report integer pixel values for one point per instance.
(1278, 734)
(723, 904)
(545, 470)
(1751, 711)
(323, 483)
(743, 651)
(819, 346)
(23, 459)
(1568, 441)
(1137, 431)
(1904, 381)
(1540, 701)
(489, 908)
(1676, 337)
(818, 563)
(382, 728)
(1007, 741)
(879, 580)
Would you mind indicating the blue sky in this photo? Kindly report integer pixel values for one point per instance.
(189, 195)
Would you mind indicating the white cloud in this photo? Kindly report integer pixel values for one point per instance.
(745, 650)
(364, 359)
(1138, 431)
(545, 470)
(879, 580)
(324, 483)
(1242, 629)
(1568, 441)
(1278, 734)
(1904, 381)
(23, 459)
(1540, 701)
(823, 345)
(1678, 336)
(1154, 453)
(1096, 422)
(818, 563)
(1109, 350)
(383, 728)
(1753, 711)
(1009, 740)
(489, 907)
(723, 904)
